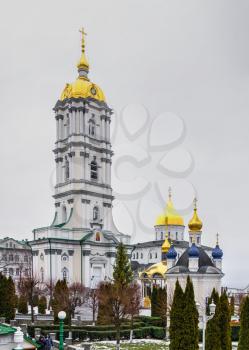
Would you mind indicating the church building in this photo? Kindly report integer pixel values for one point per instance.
(80, 244)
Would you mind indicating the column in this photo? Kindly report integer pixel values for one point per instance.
(80, 121)
(77, 122)
(108, 129)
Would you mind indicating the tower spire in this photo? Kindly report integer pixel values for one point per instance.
(217, 239)
(83, 65)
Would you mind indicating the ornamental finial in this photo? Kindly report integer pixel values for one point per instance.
(83, 33)
(217, 238)
(195, 203)
(170, 192)
(83, 64)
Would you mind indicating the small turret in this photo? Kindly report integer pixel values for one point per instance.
(195, 226)
(193, 254)
(171, 256)
(217, 254)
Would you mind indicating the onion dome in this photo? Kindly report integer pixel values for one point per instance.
(193, 251)
(83, 87)
(172, 254)
(195, 224)
(166, 245)
(170, 216)
(217, 253)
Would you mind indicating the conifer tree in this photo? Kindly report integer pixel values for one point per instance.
(23, 305)
(244, 326)
(42, 305)
(61, 300)
(224, 323)
(160, 308)
(122, 273)
(232, 307)
(177, 326)
(213, 335)
(190, 338)
(7, 298)
(154, 301)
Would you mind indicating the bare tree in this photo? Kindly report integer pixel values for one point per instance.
(29, 287)
(132, 309)
(77, 296)
(115, 300)
(93, 302)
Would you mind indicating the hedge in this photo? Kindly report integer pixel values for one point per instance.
(138, 333)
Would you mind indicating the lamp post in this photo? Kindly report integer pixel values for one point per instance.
(204, 318)
(61, 315)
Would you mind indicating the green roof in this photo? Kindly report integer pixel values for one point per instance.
(5, 329)
(33, 342)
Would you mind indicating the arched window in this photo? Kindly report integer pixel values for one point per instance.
(11, 257)
(17, 258)
(26, 258)
(67, 173)
(141, 256)
(161, 235)
(137, 255)
(156, 255)
(95, 213)
(177, 236)
(94, 169)
(11, 271)
(65, 274)
(92, 127)
(42, 274)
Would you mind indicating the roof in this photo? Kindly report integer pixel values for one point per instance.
(204, 262)
(5, 329)
(159, 243)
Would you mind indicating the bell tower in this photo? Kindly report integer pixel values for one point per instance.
(83, 193)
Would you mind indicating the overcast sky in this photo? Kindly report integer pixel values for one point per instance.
(183, 62)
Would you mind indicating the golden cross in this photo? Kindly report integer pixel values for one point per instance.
(195, 203)
(217, 238)
(170, 192)
(82, 32)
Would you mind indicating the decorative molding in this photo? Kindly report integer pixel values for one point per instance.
(71, 154)
(59, 116)
(87, 201)
(53, 251)
(110, 254)
(108, 205)
(35, 252)
(83, 192)
(86, 252)
(70, 252)
(88, 182)
(57, 204)
(59, 159)
(71, 200)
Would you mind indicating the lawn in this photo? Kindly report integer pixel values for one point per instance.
(142, 345)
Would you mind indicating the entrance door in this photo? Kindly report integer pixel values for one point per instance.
(96, 277)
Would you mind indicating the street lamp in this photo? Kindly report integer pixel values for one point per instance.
(61, 315)
(204, 319)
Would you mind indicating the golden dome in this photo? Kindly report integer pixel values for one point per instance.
(170, 217)
(195, 224)
(83, 87)
(156, 269)
(166, 245)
